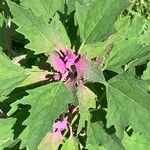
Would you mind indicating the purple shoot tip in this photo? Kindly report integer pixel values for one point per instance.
(60, 125)
(68, 65)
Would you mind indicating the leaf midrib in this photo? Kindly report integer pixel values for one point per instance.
(25, 14)
(97, 23)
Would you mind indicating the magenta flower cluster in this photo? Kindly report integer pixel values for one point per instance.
(68, 65)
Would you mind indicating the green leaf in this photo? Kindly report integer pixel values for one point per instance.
(94, 74)
(96, 19)
(2, 32)
(2, 98)
(43, 37)
(127, 51)
(100, 148)
(128, 104)
(128, 29)
(70, 144)
(36, 75)
(44, 8)
(93, 50)
(6, 134)
(47, 102)
(71, 5)
(126, 54)
(97, 136)
(134, 28)
(87, 99)
(142, 58)
(11, 75)
(1, 52)
(146, 74)
(135, 142)
(145, 37)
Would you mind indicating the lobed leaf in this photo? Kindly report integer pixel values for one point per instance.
(51, 141)
(47, 103)
(146, 73)
(97, 136)
(6, 134)
(43, 37)
(96, 20)
(128, 100)
(11, 75)
(127, 51)
(94, 73)
(71, 144)
(2, 32)
(135, 142)
(145, 37)
(87, 100)
(44, 8)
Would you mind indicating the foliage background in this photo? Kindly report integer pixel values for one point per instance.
(20, 111)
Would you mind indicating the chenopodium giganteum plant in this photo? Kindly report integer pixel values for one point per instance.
(78, 77)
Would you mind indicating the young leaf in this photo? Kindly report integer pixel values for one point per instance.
(94, 74)
(43, 37)
(86, 100)
(96, 19)
(51, 141)
(10, 75)
(70, 144)
(93, 50)
(47, 102)
(128, 104)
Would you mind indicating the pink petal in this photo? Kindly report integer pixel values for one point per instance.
(57, 62)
